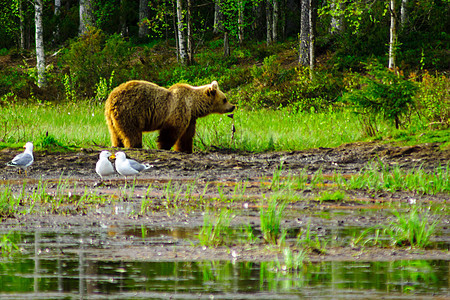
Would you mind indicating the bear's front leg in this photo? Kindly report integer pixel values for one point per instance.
(184, 143)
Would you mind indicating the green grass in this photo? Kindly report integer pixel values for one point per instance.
(379, 177)
(271, 214)
(411, 229)
(82, 124)
(216, 229)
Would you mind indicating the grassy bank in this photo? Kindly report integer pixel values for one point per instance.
(83, 125)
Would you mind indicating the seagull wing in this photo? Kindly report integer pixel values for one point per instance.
(135, 165)
(22, 160)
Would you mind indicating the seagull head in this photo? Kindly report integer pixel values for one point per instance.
(105, 154)
(120, 156)
(28, 147)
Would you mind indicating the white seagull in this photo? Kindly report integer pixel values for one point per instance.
(104, 167)
(128, 167)
(23, 160)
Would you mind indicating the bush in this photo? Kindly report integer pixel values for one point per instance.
(94, 56)
(433, 100)
(316, 94)
(381, 93)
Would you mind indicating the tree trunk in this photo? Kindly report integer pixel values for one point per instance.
(143, 15)
(56, 12)
(123, 18)
(275, 21)
(336, 21)
(312, 35)
(175, 30)
(86, 19)
(392, 36)
(21, 25)
(304, 50)
(181, 35)
(40, 55)
(269, 22)
(240, 22)
(404, 14)
(226, 44)
(190, 37)
(218, 17)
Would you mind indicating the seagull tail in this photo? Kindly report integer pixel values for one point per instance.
(147, 166)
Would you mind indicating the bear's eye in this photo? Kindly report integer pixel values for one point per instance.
(224, 100)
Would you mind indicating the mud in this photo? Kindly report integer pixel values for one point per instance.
(184, 186)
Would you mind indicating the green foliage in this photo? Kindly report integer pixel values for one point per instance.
(379, 177)
(315, 94)
(433, 100)
(94, 56)
(271, 219)
(215, 229)
(411, 229)
(381, 93)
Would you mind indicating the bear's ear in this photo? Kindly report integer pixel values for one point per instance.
(211, 91)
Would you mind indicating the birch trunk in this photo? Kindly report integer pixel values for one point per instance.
(392, 36)
(181, 36)
(275, 21)
(404, 13)
(21, 25)
(312, 36)
(40, 56)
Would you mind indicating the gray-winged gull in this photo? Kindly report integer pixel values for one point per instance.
(128, 167)
(23, 160)
(104, 167)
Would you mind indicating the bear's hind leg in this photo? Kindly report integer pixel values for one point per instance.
(115, 139)
(133, 140)
(184, 143)
(167, 138)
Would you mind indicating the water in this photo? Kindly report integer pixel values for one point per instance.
(81, 277)
(62, 266)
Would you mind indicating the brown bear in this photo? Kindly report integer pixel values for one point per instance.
(138, 106)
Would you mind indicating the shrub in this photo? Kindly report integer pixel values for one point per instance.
(316, 94)
(381, 93)
(94, 56)
(433, 99)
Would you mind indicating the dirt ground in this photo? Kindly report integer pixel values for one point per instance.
(116, 228)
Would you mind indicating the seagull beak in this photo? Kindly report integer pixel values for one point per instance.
(112, 156)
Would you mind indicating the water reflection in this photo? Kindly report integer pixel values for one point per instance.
(54, 274)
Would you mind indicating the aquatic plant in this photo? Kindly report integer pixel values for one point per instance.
(411, 229)
(271, 219)
(215, 229)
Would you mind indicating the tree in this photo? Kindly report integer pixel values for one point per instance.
(40, 55)
(182, 53)
(304, 33)
(275, 20)
(269, 22)
(143, 15)
(392, 35)
(86, 17)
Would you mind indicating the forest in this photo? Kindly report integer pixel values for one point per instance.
(386, 61)
(331, 176)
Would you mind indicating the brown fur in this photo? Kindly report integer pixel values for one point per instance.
(136, 106)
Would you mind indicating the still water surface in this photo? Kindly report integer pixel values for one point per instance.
(60, 266)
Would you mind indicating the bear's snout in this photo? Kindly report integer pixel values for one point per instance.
(231, 108)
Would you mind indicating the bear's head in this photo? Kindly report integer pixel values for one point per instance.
(218, 100)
